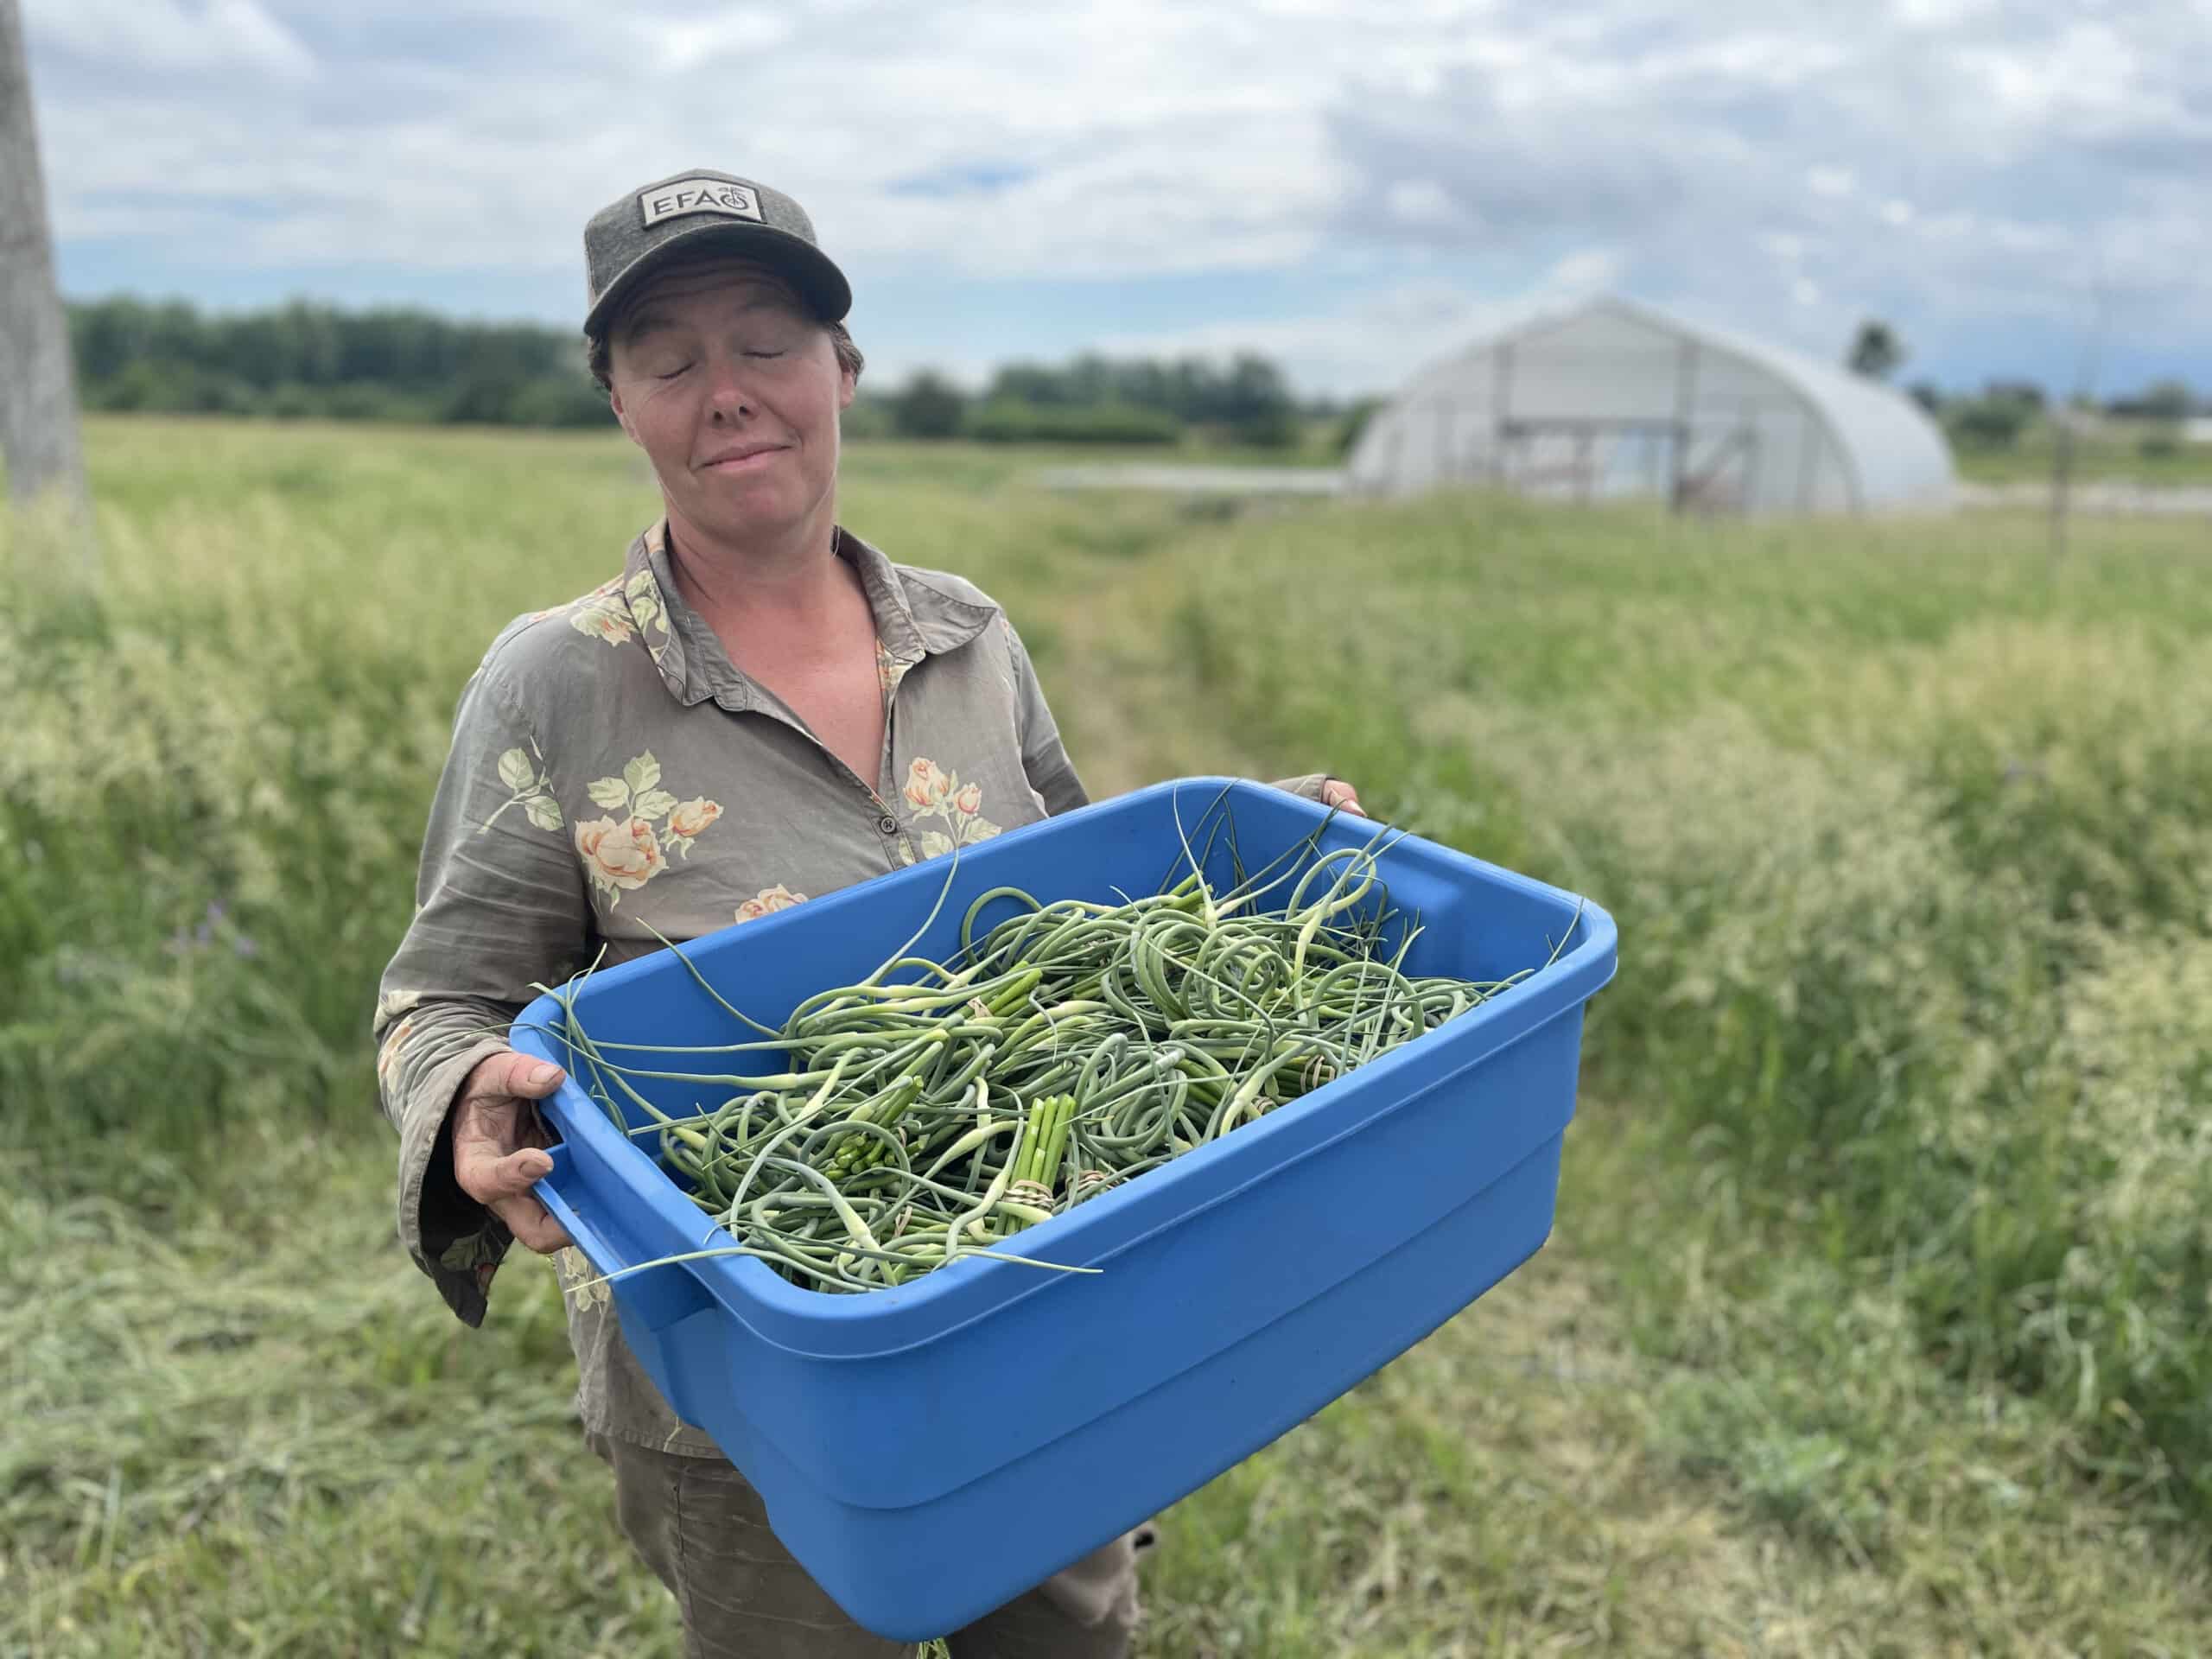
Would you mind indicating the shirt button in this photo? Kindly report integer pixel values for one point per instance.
(888, 825)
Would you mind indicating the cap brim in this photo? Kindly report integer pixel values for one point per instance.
(819, 282)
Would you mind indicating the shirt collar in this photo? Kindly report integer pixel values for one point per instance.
(913, 619)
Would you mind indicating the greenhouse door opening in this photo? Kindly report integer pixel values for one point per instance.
(1614, 460)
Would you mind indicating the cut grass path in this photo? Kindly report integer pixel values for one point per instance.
(235, 1438)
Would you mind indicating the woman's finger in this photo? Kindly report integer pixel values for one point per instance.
(510, 1073)
(506, 1193)
(512, 1176)
(531, 1223)
(498, 1147)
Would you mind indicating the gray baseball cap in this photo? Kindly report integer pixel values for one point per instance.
(699, 211)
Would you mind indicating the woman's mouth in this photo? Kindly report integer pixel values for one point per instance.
(749, 459)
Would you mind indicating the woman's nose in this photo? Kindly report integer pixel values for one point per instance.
(726, 398)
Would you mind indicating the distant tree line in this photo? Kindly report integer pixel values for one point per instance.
(311, 361)
(1995, 417)
(305, 360)
(1095, 399)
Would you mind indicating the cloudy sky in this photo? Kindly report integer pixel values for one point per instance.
(2020, 187)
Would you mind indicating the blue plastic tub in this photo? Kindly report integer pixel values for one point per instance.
(932, 1451)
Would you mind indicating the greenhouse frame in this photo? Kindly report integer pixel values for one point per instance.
(1616, 400)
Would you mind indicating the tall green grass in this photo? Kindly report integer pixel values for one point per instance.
(216, 774)
(1906, 834)
(212, 791)
(1874, 1321)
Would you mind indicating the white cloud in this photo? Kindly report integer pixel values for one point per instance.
(1421, 201)
(1587, 272)
(1939, 14)
(1381, 338)
(1981, 165)
(172, 36)
(1940, 161)
(735, 33)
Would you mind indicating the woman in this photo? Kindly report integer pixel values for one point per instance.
(759, 708)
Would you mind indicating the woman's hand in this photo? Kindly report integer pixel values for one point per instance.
(497, 1144)
(1337, 794)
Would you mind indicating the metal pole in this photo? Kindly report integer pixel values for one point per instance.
(1808, 439)
(2062, 477)
(1501, 410)
(1686, 361)
(2062, 446)
(38, 396)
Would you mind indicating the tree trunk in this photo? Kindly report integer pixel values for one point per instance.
(38, 397)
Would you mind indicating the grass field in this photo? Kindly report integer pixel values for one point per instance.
(2128, 450)
(1875, 1320)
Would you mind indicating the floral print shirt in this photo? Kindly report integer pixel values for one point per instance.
(612, 777)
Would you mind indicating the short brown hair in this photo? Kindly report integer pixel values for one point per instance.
(599, 351)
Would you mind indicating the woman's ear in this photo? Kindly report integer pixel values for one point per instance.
(615, 403)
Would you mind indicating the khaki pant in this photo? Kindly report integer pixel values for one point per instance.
(699, 1524)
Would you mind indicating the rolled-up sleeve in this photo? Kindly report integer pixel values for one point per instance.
(500, 904)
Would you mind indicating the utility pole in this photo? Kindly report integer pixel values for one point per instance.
(2070, 408)
(38, 393)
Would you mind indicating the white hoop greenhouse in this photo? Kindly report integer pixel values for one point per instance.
(1616, 400)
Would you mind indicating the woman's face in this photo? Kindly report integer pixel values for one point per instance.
(733, 391)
